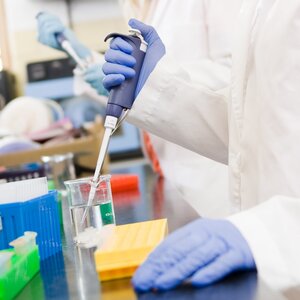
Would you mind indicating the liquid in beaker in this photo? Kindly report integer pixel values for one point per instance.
(100, 214)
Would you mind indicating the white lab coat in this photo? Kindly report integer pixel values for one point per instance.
(253, 125)
(188, 38)
(189, 172)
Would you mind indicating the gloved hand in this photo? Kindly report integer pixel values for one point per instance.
(80, 110)
(48, 25)
(94, 76)
(119, 61)
(203, 252)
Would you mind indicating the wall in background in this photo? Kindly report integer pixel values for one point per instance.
(92, 20)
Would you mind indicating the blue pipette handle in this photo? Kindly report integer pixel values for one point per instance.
(60, 37)
(122, 96)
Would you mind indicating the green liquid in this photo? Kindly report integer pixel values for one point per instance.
(107, 213)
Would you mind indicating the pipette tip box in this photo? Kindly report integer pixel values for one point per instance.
(39, 214)
(127, 248)
(18, 265)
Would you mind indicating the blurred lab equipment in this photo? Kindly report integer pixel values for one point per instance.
(7, 87)
(60, 168)
(22, 172)
(10, 144)
(49, 70)
(24, 115)
(125, 189)
(59, 131)
(120, 101)
(28, 206)
(18, 265)
(84, 146)
(124, 182)
(98, 215)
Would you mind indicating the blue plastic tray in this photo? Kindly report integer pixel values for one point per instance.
(39, 215)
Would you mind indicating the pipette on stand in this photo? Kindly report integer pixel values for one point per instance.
(120, 101)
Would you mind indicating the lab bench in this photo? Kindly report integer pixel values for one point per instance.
(71, 274)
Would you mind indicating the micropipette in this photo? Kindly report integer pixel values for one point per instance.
(120, 101)
(66, 45)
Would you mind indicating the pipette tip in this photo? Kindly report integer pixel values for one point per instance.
(84, 215)
(90, 201)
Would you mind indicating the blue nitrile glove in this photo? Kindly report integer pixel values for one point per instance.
(94, 76)
(203, 252)
(80, 110)
(48, 25)
(120, 62)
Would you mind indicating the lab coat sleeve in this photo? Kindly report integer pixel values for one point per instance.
(186, 104)
(272, 230)
(82, 88)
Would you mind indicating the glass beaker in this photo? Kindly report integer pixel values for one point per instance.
(59, 168)
(101, 212)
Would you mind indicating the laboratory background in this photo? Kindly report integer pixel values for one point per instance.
(104, 193)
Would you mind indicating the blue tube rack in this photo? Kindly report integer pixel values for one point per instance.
(40, 215)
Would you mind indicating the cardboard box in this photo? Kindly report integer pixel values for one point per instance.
(85, 150)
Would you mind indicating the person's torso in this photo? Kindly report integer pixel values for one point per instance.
(260, 108)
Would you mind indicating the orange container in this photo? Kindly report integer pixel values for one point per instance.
(124, 182)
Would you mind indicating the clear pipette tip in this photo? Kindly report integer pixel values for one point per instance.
(90, 200)
(110, 124)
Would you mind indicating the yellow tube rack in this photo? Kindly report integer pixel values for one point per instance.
(127, 248)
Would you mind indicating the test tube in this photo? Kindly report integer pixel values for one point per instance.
(24, 243)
